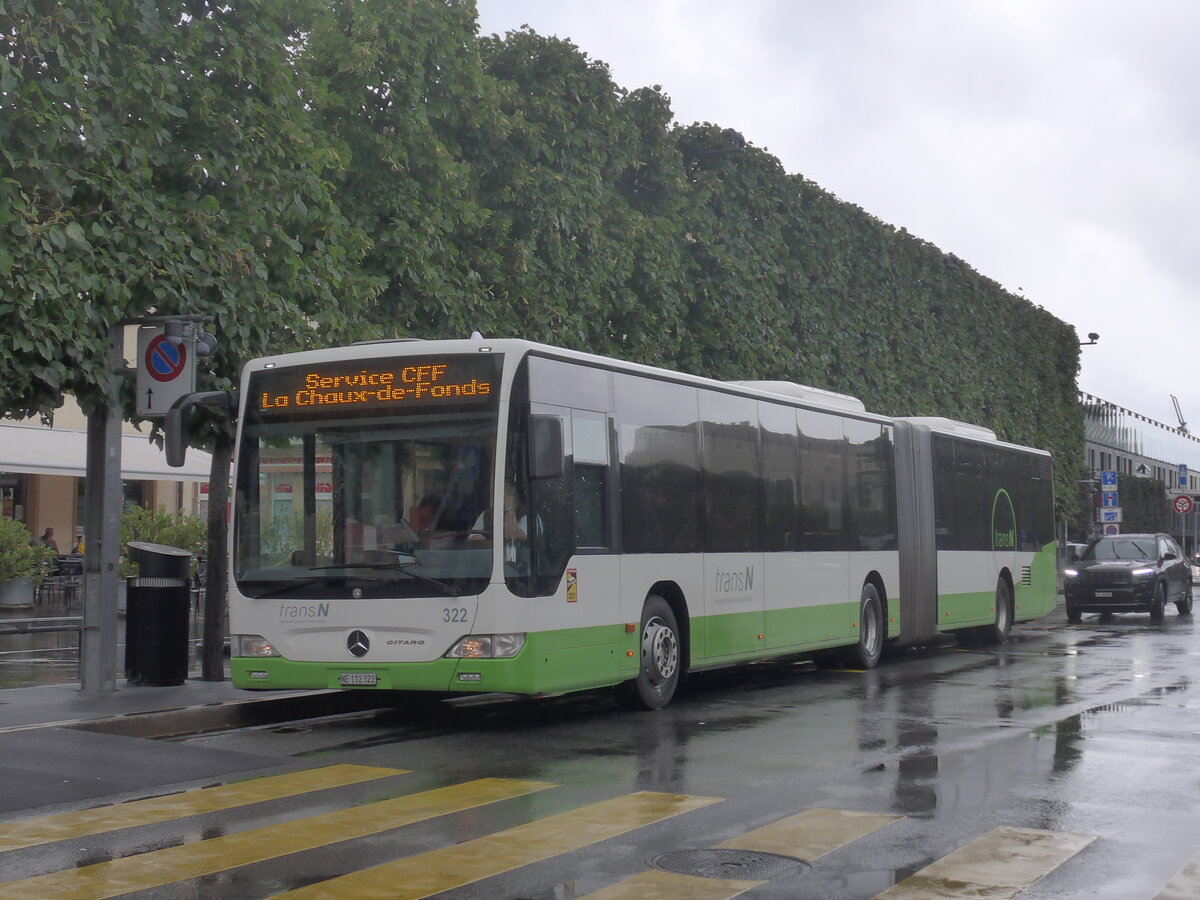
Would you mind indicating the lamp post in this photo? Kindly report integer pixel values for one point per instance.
(1092, 338)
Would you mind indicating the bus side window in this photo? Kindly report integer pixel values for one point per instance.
(590, 441)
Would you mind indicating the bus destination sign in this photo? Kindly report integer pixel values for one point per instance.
(358, 385)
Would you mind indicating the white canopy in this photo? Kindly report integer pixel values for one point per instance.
(34, 450)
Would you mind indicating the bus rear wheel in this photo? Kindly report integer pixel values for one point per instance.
(866, 653)
(998, 631)
(661, 659)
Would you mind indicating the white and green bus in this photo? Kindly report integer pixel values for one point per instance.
(503, 516)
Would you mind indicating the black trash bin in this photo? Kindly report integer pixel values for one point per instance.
(156, 615)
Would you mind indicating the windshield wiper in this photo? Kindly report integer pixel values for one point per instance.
(287, 586)
(450, 590)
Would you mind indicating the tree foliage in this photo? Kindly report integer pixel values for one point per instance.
(317, 171)
(157, 159)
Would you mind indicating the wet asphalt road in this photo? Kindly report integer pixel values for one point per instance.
(1084, 734)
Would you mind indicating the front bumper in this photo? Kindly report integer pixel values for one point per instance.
(1136, 597)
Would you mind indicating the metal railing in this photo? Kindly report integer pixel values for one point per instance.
(41, 623)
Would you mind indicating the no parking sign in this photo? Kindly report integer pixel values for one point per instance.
(165, 371)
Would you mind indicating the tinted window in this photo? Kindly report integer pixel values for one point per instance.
(822, 481)
(972, 500)
(943, 491)
(660, 465)
(870, 484)
(569, 384)
(781, 476)
(590, 444)
(729, 440)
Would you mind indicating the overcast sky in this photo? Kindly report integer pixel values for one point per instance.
(1052, 144)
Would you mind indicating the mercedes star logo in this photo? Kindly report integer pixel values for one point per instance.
(358, 643)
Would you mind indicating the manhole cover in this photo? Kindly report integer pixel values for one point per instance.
(746, 865)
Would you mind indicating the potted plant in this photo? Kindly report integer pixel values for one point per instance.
(156, 526)
(23, 564)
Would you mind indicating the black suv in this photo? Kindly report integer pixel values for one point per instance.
(1129, 573)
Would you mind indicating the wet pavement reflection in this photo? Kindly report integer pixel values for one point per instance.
(1068, 755)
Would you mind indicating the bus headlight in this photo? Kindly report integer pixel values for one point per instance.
(254, 645)
(487, 646)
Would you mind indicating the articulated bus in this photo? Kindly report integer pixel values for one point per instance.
(503, 516)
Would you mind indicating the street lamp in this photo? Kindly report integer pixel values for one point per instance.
(1092, 338)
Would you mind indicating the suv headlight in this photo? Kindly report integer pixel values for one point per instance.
(487, 646)
(1071, 573)
(1143, 572)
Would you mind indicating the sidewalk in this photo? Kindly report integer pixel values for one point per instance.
(40, 688)
(193, 707)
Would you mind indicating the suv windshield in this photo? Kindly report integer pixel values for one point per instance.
(1121, 548)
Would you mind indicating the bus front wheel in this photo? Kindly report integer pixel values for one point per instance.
(871, 631)
(661, 663)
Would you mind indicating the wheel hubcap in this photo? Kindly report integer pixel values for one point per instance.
(660, 651)
(870, 628)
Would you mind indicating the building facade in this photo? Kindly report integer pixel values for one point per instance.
(43, 475)
(1135, 446)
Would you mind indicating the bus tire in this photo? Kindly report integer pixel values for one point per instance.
(871, 631)
(661, 658)
(998, 631)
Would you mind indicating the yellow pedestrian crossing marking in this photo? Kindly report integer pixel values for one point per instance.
(167, 866)
(1186, 883)
(807, 835)
(65, 826)
(812, 833)
(451, 867)
(998, 865)
(672, 886)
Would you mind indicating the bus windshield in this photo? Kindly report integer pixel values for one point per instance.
(367, 478)
(377, 508)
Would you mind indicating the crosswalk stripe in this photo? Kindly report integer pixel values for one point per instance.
(172, 864)
(672, 886)
(998, 865)
(451, 867)
(153, 810)
(807, 835)
(811, 833)
(1186, 883)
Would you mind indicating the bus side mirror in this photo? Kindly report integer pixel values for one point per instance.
(545, 446)
(175, 427)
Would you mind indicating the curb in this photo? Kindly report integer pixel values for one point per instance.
(231, 714)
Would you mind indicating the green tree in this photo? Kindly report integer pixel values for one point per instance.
(400, 90)
(158, 158)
